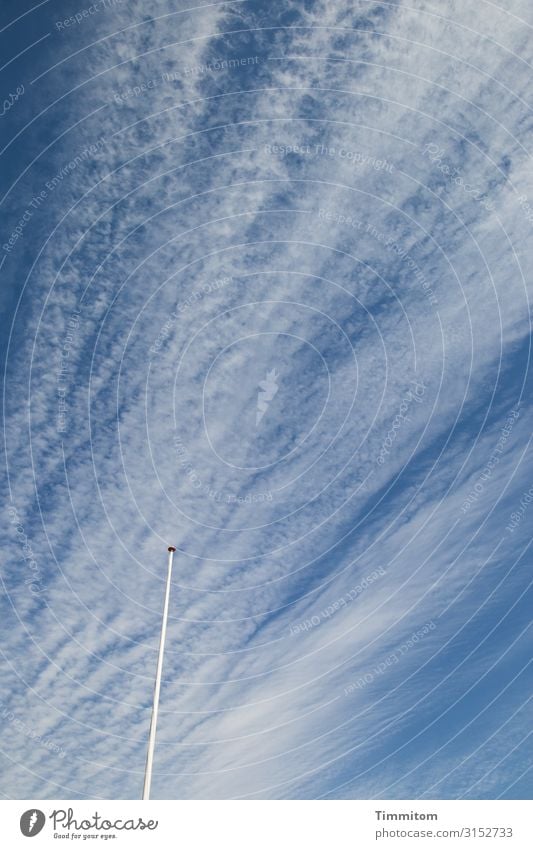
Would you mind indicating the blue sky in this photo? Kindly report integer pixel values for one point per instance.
(323, 213)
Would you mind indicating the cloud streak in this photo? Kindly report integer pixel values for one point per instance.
(277, 317)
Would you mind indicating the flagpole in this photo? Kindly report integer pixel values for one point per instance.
(157, 687)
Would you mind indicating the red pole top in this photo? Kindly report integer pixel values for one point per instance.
(171, 548)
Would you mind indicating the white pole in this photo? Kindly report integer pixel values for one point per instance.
(157, 687)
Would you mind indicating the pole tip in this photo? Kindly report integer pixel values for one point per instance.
(171, 548)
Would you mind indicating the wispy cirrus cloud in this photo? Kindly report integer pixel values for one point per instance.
(383, 114)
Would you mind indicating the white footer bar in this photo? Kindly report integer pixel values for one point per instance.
(269, 824)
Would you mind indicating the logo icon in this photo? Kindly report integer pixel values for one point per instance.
(270, 388)
(32, 822)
